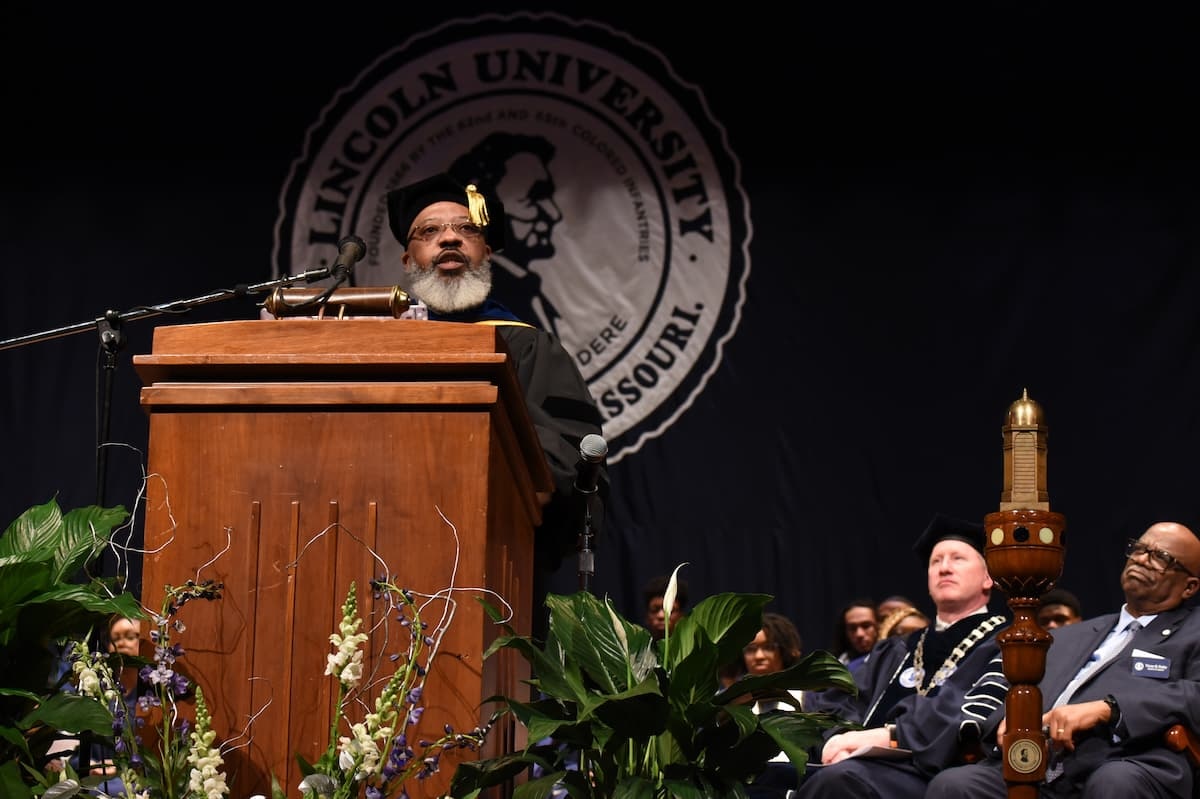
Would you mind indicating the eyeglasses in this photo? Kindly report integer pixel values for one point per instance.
(768, 648)
(431, 230)
(1159, 557)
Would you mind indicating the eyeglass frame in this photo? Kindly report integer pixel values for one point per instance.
(429, 231)
(1159, 557)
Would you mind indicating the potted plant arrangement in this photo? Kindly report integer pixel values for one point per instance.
(48, 598)
(613, 713)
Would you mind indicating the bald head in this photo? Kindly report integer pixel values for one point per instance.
(1161, 571)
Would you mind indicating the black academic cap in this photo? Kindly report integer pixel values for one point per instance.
(943, 527)
(406, 203)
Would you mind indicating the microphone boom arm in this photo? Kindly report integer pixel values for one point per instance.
(111, 318)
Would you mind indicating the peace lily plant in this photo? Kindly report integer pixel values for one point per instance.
(614, 713)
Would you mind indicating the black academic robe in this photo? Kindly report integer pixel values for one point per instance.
(931, 725)
(563, 411)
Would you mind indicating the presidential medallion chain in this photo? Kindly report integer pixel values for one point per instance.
(951, 663)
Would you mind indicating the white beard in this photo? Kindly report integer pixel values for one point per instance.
(449, 294)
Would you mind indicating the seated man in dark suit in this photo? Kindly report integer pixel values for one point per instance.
(1113, 685)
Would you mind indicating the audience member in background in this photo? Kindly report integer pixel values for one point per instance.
(855, 633)
(923, 691)
(1059, 607)
(891, 604)
(903, 621)
(776, 647)
(1113, 685)
(652, 598)
(124, 638)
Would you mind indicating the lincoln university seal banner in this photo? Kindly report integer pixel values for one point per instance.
(628, 229)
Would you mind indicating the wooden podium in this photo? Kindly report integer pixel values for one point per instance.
(284, 456)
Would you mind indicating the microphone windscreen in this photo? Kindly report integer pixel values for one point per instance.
(593, 448)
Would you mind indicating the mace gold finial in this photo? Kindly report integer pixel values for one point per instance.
(1025, 434)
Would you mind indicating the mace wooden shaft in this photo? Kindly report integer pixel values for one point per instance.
(1025, 558)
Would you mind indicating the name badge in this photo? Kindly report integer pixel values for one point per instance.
(1159, 668)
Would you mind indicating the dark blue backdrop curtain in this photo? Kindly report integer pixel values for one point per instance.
(940, 221)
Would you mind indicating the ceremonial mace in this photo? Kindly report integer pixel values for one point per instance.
(1026, 542)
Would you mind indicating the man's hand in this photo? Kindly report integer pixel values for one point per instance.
(841, 745)
(1062, 723)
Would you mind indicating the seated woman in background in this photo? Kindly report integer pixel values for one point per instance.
(124, 638)
(775, 648)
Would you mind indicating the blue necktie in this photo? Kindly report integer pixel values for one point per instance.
(1112, 646)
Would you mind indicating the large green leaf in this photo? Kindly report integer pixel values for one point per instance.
(473, 776)
(70, 712)
(796, 733)
(640, 712)
(86, 532)
(815, 671)
(20, 580)
(31, 534)
(727, 621)
(694, 678)
(698, 784)
(539, 788)
(544, 720)
(742, 719)
(585, 629)
(68, 542)
(11, 784)
(634, 788)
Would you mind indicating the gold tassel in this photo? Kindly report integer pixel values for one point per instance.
(476, 206)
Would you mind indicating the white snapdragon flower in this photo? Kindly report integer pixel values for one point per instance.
(206, 777)
(88, 681)
(360, 748)
(345, 662)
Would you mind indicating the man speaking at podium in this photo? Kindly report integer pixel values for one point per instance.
(449, 232)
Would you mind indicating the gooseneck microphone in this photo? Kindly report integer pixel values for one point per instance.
(350, 251)
(592, 451)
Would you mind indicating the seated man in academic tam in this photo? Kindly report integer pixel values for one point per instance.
(927, 692)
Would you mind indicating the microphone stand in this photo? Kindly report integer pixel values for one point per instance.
(587, 557)
(113, 340)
